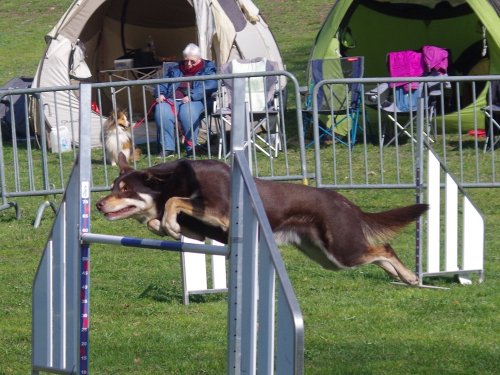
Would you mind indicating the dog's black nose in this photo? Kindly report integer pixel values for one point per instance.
(99, 205)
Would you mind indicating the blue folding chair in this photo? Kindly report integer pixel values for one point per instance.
(339, 105)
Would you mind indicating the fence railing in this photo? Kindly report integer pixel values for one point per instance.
(384, 153)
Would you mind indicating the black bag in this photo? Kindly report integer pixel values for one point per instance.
(18, 104)
(141, 58)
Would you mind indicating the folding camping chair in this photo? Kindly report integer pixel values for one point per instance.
(262, 100)
(338, 104)
(492, 116)
(402, 97)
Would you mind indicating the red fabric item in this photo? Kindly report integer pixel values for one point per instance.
(95, 108)
(479, 133)
(189, 71)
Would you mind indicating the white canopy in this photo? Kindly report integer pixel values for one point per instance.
(94, 33)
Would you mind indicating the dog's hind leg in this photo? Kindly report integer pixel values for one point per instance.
(385, 257)
(387, 267)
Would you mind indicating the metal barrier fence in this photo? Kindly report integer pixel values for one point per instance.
(385, 152)
(36, 160)
(30, 167)
(260, 293)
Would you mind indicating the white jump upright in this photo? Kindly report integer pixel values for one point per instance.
(454, 243)
(194, 272)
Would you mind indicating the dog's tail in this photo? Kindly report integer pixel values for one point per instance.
(382, 226)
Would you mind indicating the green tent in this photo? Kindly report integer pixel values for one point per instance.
(470, 30)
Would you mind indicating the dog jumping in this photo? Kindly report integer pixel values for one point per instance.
(191, 197)
(118, 138)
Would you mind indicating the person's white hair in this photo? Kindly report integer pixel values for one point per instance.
(191, 50)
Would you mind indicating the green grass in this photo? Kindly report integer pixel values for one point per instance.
(24, 26)
(356, 322)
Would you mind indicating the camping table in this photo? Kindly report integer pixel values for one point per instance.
(132, 74)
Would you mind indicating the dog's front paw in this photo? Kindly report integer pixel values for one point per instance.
(174, 233)
(154, 226)
(172, 227)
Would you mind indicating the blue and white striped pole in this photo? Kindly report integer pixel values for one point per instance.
(148, 243)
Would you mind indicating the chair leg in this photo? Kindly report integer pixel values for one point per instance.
(494, 141)
(221, 130)
(354, 127)
(402, 130)
(271, 140)
(491, 133)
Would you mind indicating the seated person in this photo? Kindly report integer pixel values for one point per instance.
(187, 99)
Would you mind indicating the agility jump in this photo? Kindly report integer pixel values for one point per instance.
(445, 246)
(259, 286)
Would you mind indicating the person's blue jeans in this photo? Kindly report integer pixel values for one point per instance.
(189, 115)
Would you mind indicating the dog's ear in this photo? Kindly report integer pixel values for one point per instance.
(152, 181)
(123, 164)
(111, 114)
(159, 178)
(155, 182)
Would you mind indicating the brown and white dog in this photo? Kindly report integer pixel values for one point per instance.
(118, 138)
(191, 197)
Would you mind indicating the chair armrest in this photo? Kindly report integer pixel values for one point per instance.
(378, 94)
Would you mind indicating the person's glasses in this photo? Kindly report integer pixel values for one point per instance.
(190, 62)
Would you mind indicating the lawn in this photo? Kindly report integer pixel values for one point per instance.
(356, 322)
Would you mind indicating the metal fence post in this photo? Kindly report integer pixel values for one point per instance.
(236, 235)
(419, 165)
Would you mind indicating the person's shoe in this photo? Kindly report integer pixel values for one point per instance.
(200, 150)
(189, 152)
(166, 154)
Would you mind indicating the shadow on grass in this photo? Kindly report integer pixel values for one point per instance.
(163, 293)
(172, 293)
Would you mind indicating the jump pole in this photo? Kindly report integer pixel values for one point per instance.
(148, 243)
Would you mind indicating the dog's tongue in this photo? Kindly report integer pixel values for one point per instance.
(117, 214)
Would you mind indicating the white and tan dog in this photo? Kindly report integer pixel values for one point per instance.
(118, 138)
